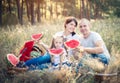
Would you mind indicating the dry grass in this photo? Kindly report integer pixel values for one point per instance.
(95, 64)
(13, 37)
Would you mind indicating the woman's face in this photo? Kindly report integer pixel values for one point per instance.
(84, 28)
(70, 27)
(58, 42)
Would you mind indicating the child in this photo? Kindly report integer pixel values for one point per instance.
(58, 60)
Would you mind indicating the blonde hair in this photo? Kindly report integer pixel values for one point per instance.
(54, 37)
(84, 20)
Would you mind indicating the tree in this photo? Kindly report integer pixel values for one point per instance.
(38, 11)
(0, 12)
(19, 11)
(32, 12)
(28, 9)
(9, 5)
(115, 6)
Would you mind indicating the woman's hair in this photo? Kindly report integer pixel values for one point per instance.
(70, 19)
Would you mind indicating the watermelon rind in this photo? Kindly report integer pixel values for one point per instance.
(8, 64)
(12, 59)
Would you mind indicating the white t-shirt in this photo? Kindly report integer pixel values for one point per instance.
(90, 42)
(56, 58)
(75, 36)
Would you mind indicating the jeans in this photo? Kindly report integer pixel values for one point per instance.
(101, 57)
(39, 61)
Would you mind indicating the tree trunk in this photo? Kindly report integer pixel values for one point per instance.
(96, 10)
(41, 11)
(45, 10)
(9, 6)
(19, 12)
(56, 9)
(83, 9)
(51, 12)
(64, 9)
(88, 10)
(32, 12)
(80, 9)
(28, 9)
(0, 12)
(22, 12)
(38, 11)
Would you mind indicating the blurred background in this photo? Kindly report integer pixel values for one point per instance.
(35, 11)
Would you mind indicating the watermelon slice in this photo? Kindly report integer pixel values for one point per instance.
(54, 51)
(72, 43)
(37, 36)
(12, 59)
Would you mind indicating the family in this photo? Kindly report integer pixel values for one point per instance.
(90, 43)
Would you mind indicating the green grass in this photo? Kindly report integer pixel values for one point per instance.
(12, 39)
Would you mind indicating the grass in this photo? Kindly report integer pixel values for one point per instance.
(13, 37)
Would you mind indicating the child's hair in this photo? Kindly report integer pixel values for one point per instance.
(54, 37)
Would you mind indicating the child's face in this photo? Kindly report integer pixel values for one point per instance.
(58, 42)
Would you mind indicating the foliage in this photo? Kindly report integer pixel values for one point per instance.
(53, 9)
(109, 30)
(9, 19)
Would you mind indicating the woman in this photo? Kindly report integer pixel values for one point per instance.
(92, 42)
(69, 31)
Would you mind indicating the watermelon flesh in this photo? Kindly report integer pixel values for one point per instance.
(72, 43)
(12, 59)
(36, 36)
(54, 51)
